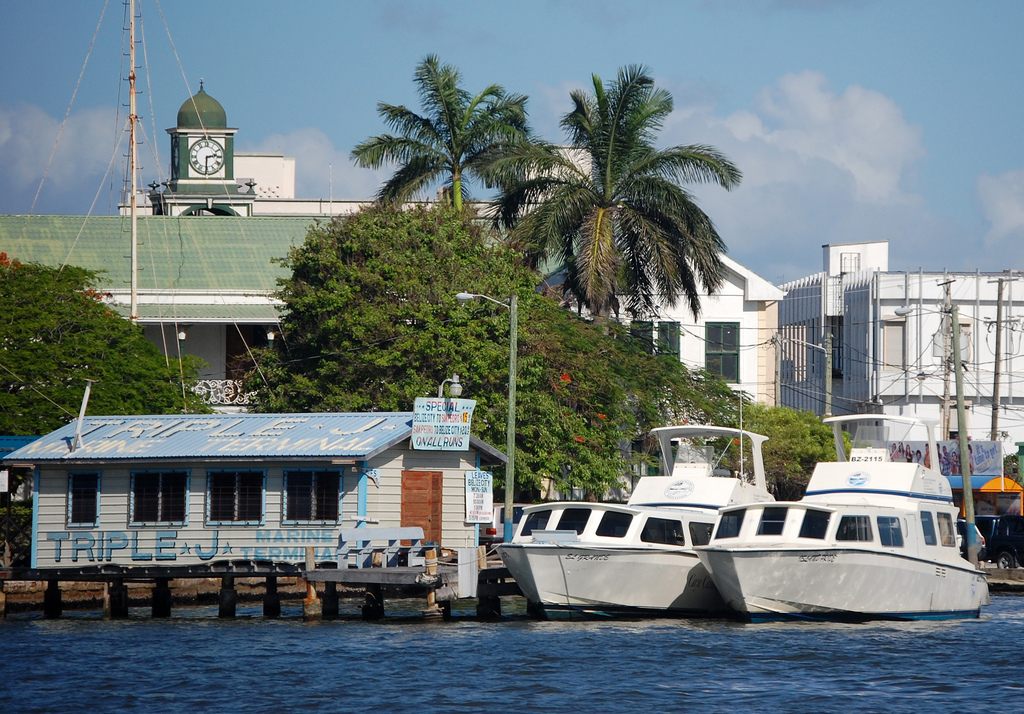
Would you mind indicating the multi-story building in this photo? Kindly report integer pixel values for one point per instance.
(891, 342)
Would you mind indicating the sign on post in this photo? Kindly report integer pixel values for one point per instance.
(442, 424)
(479, 497)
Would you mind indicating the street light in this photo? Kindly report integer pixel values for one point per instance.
(510, 426)
(455, 388)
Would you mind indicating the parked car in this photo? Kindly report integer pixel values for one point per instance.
(1004, 539)
(494, 532)
(961, 542)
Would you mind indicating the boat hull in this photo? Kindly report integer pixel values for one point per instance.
(577, 580)
(843, 584)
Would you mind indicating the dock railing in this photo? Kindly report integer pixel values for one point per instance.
(380, 547)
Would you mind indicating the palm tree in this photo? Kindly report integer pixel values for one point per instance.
(456, 137)
(610, 206)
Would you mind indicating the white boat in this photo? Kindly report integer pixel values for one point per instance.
(870, 539)
(604, 559)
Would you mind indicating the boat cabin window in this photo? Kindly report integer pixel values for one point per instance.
(729, 524)
(815, 524)
(574, 519)
(946, 529)
(928, 528)
(536, 521)
(663, 530)
(773, 518)
(700, 533)
(889, 532)
(614, 524)
(855, 528)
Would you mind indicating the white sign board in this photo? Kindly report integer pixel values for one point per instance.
(479, 497)
(442, 424)
(3, 481)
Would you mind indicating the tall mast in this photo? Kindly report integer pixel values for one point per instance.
(132, 160)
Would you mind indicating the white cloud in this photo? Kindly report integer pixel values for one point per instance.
(1002, 203)
(87, 146)
(321, 169)
(819, 167)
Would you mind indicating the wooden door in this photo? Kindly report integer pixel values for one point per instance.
(421, 502)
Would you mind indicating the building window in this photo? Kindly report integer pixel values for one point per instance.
(236, 497)
(159, 497)
(311, 496)
(849, 262)
(668, 339)
(83, 499)
(722, 350)
(893, 344)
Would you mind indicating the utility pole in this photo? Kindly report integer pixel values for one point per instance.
(777, 343)
(947, 309)
(994, 433)
(965, 450)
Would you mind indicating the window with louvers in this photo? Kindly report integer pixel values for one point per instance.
(236, 496)
(159, 497)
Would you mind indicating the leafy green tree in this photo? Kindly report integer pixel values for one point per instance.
(454, 139)
(371, 322)
(55, 333)
(610, 206)
(797, 440)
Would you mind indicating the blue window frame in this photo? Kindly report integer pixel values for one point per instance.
(83, 500)
(312, 497)
(159, 498)
(235, 497)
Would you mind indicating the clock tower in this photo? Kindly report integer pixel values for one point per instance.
(202, 164)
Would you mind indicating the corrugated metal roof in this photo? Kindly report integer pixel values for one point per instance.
(355, 436)
(175, 253)
(256, 314)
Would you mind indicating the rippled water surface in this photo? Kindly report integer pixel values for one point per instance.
(195, 662)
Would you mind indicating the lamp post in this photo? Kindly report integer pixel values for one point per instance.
(455, 389)
(510, 426)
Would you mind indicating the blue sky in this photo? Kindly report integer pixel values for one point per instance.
(851, 119)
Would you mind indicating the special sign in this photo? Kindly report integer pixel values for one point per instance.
(441, 424)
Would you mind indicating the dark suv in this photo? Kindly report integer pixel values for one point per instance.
(1004, 538)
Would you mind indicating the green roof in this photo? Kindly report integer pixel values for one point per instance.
(209, 253)
(256, 314)
(201, 111)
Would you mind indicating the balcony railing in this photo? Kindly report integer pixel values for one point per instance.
(223, 392)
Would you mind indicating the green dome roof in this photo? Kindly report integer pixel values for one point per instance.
(201, 111)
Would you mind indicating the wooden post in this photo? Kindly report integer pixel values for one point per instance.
(115, 599)
(52, 607)
(311, 607)
(432, 610)
(330, 600)
(228, 597)
(373, 604)
(271, 598)
(162, 598)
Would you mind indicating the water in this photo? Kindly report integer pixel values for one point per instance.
(195, 662)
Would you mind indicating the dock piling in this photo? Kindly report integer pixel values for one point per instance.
(115, 599)
(162, 598)
(271, 598)
(373, 604)
(312, 609)
(330, 600)
(52, 607)
(228, 597)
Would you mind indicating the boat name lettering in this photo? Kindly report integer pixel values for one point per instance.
(818, 558)
(586, 556)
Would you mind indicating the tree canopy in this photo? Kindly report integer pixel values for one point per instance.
(55, 333)
(610, 205)
(371, 322)
(453, 139)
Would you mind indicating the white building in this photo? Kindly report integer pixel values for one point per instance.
(732, 337)
(890, 337)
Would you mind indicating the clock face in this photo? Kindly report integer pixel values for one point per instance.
(206, 156)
